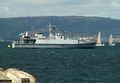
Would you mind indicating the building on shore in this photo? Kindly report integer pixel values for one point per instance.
(13, 75)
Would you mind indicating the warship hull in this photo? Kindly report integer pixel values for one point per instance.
(67, 46)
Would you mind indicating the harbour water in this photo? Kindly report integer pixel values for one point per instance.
(99, 65)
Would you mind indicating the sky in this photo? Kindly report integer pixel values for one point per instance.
(22, 8)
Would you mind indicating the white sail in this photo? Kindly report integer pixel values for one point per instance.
(99, 40)
(111, 41)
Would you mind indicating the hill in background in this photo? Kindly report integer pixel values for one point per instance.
(11, 27)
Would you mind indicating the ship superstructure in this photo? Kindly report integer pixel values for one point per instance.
(53, 40)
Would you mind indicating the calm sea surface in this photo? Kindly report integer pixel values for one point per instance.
(99, 65)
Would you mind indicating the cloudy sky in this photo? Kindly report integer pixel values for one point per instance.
(21, 8)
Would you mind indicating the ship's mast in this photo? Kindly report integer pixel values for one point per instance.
(50, 30)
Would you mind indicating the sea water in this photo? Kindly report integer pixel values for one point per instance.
(98, 65)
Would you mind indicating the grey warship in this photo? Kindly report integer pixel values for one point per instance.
(53, 40)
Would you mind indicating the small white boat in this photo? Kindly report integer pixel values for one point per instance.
(111, 41)
(99, 40)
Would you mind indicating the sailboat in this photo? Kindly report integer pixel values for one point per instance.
(111, 41)
(99, 40)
